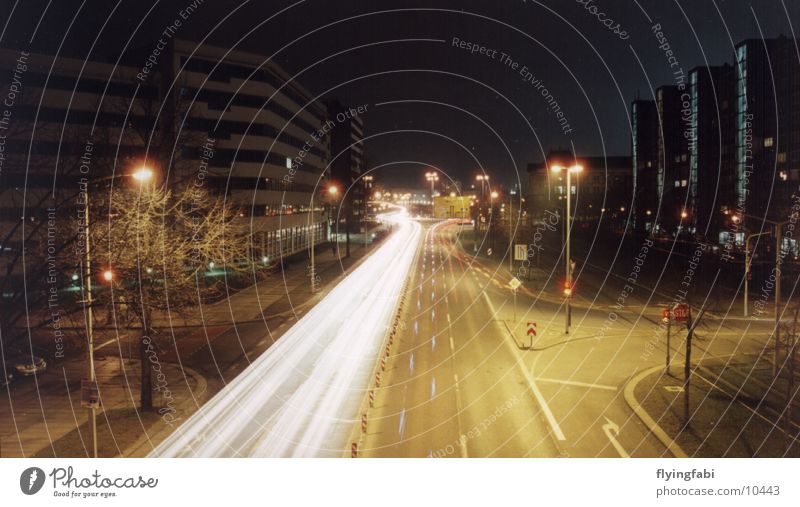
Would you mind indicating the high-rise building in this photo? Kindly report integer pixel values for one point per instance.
(644, 160)
(713, 152)
(347, 162)
(674, 182)
(767, 125)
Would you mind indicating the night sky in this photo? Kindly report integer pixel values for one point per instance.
(469, 110)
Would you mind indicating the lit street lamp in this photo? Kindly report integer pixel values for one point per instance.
(333, 191)
(567, 265)
(778, 264)
(142, 174)
(367, 184)
(433, 178)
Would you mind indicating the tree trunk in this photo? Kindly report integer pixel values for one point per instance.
(146, 348)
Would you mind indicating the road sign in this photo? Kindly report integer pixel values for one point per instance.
(666, 314)
(514, 283)
(681, 312)
(520, 252)
(531, 328)
(90, 394)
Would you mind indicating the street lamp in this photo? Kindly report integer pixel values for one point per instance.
(573, 169)
(433, 178)
(332, 191)
(778, 262)
(141, 174)
(367, 184)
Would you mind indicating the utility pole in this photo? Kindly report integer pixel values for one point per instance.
(778, 262)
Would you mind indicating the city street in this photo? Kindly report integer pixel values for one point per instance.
(301, 396)
(463, 380)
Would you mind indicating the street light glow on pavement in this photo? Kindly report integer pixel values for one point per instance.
(301, 397)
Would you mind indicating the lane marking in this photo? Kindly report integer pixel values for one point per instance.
(575, 383)
(551, 420)
(462, 438)
(611, 429)
(402, 427)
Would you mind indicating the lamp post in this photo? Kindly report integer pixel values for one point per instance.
(367, 185)
(511, 194)
(567, 264)
(778, 262)
(142, 174)
(433, 178)
(332, 191)
(484, 179)
(492, 197)
(747, 262)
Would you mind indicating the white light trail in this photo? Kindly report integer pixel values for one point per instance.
(301, 397)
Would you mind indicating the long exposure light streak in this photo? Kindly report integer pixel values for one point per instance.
(301, 397)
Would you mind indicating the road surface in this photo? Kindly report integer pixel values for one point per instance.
(300, 398)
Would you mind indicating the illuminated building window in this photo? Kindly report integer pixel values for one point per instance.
(768, 142)
(783, 175)
(782, 157)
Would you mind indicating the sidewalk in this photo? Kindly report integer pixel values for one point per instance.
(47, 420)
(728, 416)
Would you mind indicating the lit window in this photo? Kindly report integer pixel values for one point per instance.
(684, 183)
(768, 142)
(288, 163)
(782, 157)
(683, 158)
(783, 175)
(677, 183)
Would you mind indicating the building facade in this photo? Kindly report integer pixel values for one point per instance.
(644, 161)
(228, 121)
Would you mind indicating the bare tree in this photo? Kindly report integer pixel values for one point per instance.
(158, 245)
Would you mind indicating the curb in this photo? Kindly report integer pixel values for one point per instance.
(146, 440)
(653, 426)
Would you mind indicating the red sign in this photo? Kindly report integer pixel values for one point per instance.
(681, 312)
(666, 314)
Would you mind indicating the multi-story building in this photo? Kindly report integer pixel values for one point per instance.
(675, 186)
(229, 121)
(267, 134)
(644, 161)
(767, 125)
(602, 190)
(713, 153)
(347, 162)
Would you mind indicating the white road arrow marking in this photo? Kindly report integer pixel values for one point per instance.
(611, 429)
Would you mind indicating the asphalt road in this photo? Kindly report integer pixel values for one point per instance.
(463, 381)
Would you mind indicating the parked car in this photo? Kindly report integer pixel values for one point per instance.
(25, 364)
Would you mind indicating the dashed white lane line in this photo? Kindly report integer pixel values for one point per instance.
(462, 439)
(551, 419)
